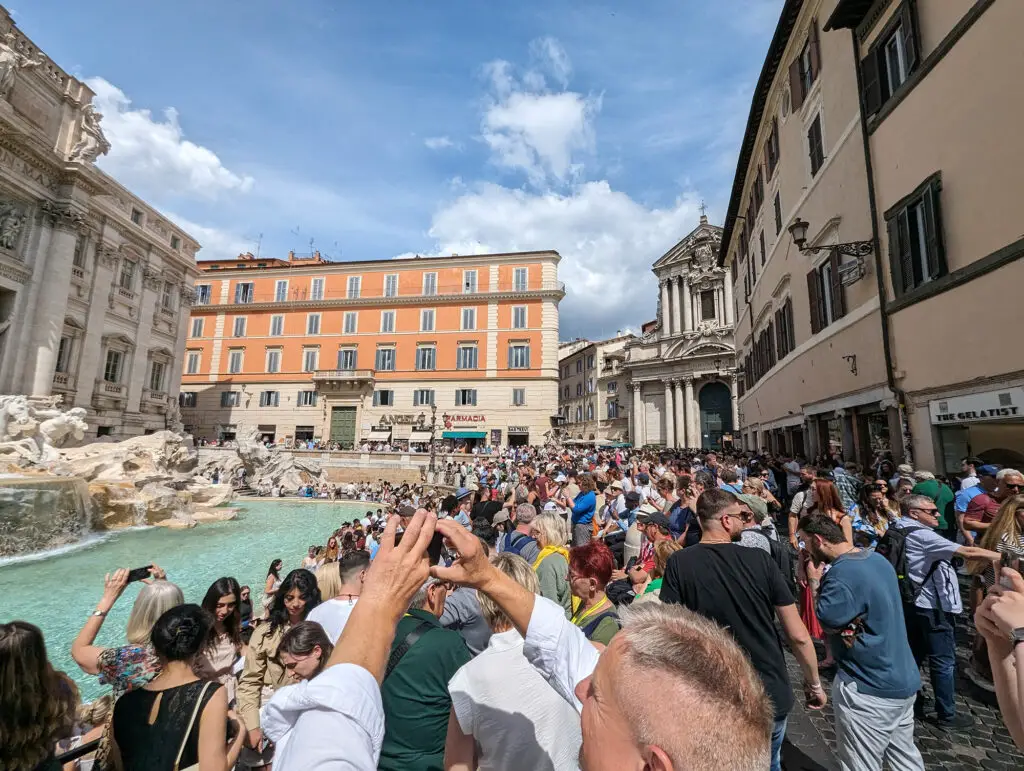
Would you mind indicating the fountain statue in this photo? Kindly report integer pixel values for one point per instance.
(56, 489)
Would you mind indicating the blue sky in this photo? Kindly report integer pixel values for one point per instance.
(430, 127)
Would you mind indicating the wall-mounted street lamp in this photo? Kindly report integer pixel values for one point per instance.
(798, 230)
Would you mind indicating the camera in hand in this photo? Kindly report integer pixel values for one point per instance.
(138, 573)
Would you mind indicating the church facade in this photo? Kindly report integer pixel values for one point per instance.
(682, 372)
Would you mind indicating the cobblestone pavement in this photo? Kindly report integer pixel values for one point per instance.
(811, 737)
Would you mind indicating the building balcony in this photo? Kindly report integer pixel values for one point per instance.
(108, 395)
(63, 382)
(338, 379)
(154, 401)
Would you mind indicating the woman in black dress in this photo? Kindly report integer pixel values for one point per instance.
(177, 721)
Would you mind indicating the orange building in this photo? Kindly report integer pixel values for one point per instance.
(351, 351)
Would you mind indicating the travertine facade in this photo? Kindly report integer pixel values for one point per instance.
(682, 373)
(876, 332)
(93, 282)
(593, 400)
(346, 352)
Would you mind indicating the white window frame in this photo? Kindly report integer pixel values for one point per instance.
(232, 369)
(895, 44)
(167, 296)
(281, 290)
(188, 399)
(379, 400)
(518, 310)
(273, 360)
(203, 293)
(355, 358)
(518, 397)
(353, 287)
(432, 358)
(427, 317)
(193, 362)
(377, 359)
(422, 397)
(157, 383)
(197, 327)
(126, 276)
(461, 395)
(244, 298)
(270, 398)
(472, 319)
(316, 288)
(235, 331)
(517, 359)
(306, 399)
(517, 285)
(460, 359)
(354, 316)
(470, 280)
(430, 283)
(312, 320)
(387, 322)
(307, 354)
(391, 285)
(277, 320)
(230, 399)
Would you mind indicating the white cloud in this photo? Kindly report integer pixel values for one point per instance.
(217, 244)
(153, 156)
(607, 240)
(439, 143)
(530, 127)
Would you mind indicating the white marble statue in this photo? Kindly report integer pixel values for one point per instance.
(91, 143)
(11, 222)
(31, 429)
(10, 62)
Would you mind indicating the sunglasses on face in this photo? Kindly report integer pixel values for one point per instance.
(928, 511)
(1014, 486)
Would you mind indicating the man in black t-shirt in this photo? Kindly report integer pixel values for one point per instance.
(743, 591)
(487, 507)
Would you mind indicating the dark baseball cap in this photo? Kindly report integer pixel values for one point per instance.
(658, 519)
(632, 498)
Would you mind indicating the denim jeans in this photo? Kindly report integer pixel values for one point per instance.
(778, 734)
(932, 636)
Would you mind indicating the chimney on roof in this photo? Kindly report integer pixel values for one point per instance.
(316, 255)
(291, 256)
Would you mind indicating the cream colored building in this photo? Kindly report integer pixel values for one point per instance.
(682, 372)
(942, 90)
(350, 352)
(853, 341)
(592, 399)
(94, 283)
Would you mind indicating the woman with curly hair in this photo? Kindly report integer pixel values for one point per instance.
(37, 706)
(264, 671)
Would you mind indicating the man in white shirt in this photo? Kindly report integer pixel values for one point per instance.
(333, 614)
(689, 661)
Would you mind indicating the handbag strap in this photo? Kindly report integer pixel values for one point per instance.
(403, 647)
(191, 722)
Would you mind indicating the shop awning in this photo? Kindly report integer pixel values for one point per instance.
(464, 435)
(378, 434)
(419, 436)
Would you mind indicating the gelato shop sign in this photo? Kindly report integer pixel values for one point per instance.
(1007, 404)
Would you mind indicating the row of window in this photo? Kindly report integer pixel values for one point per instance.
(612, 412)
(421, 397)
(613, 387)
(520, 318)
(466, 357)
(285, 289)
(776, 341)
(113, 367)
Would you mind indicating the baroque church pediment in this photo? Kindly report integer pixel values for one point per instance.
(700, 246)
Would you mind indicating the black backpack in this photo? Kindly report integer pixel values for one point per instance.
(893, 546)
(781, 557)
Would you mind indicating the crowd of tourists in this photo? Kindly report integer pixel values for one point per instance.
(546, 609)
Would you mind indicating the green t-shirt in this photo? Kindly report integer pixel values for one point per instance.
(943, 498)
(415, 696)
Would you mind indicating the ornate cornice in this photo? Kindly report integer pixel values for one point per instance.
(151, 277)
(418, 300)
(14, 157)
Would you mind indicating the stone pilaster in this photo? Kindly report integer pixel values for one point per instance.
(677, 309)
(64, 220)
(670, 438)
(693, 438)
(665, 312)
(687, 304)
(89, 362)
(138, 378)
(638, 415)
(681, 413)
(730, 316)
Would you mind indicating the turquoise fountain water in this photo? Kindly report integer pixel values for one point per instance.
(57, 591)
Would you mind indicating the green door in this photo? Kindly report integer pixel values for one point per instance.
(343, 426)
